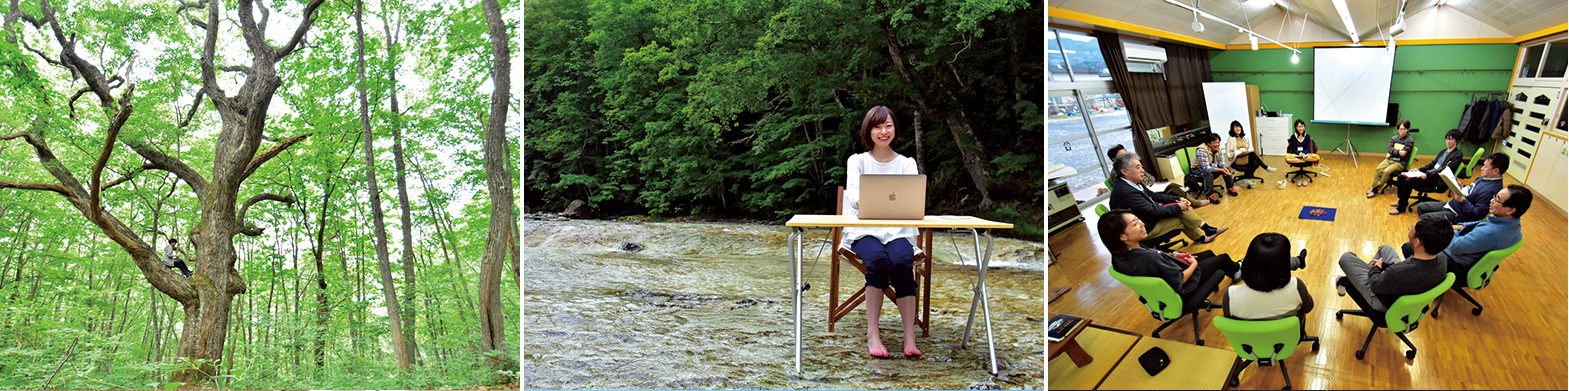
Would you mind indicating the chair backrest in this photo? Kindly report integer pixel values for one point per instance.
(1261, 340)
(1482, 272)
(1101, 209)
(1408, 310)
(1411, 159)
(1162, 302)
(1465, 171)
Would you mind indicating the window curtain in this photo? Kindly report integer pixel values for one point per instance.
(1187, 68)
(1146, 101)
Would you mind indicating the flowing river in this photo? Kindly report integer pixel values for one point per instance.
(707, 306)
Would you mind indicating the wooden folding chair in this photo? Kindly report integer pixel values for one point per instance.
(923, 277)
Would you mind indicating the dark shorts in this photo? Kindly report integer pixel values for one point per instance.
(887, 265)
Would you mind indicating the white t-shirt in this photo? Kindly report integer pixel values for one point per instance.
(863, 163)
(1247, 303)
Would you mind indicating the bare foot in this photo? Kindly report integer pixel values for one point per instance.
(910, 350)
(875, 348)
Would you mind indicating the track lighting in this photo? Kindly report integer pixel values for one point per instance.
(1197, 27)
(1253, 39)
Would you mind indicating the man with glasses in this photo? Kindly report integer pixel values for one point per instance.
(1474, 205)
(1499, 231)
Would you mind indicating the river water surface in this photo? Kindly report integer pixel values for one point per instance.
(707, 306)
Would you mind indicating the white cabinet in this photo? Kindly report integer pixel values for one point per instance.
(1548, 169)
(1272, 134)
(1534, 109)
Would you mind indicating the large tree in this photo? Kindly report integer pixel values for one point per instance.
(208, 296)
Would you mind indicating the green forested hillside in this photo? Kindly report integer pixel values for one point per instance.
(749, 109)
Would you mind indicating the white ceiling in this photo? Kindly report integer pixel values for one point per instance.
(1424, 18)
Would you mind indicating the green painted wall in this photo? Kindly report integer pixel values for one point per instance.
(1426, 85)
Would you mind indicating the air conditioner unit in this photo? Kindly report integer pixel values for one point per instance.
(1140, 52)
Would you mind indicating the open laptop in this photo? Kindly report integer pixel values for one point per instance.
(893, 197)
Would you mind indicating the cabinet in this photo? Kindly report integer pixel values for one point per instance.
(1272, 134)
(1548, 170)
(1061, 209)
(1534, 109)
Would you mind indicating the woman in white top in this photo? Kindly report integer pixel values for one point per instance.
(1269, 291)
(1238, 150)
(887, 251)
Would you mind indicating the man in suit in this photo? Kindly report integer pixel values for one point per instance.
(1162, 212)
(1388, 277)
(1479, 194)
(1427, 176)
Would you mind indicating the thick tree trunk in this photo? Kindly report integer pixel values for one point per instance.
(400, 347)
(498, 177)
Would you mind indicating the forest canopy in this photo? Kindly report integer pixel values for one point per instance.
(249, 138)
(749, 109)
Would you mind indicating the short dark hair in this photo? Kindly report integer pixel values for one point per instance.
(1111, 154)
(1110, 229)
(1499, 161)
(1520, 199)
(876, 116)
(173, 240)
(1455, 134)
(1122, 162)
(1236, 129)
(1299, 122)
(1268, 265)
(1405, 123)
(1210, 137)
(1435, 233)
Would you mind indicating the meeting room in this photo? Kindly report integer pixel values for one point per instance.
(1307, 194)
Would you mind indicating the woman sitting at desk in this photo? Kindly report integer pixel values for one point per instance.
(1300, 147)
(887, 251)
(1193, 276)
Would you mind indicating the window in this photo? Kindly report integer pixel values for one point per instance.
(1075, 56)
(1544, 60)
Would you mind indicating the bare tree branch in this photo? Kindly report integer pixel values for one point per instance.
(262, 158)
(255, 38)
(196, 104)
(250, 229)
(40, 54)
(236, 68)
(158, 160)
(209, 48)
(118, 122)
(127, 177)
(54, 187)
(309, 17)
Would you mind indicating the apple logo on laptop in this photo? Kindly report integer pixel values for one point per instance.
(892, 196)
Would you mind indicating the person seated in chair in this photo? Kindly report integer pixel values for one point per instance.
(1207, 165)
(1396, 156)
(1375, 285)
(1241, 155)
(1172, 188)
(1477, 238)
(1269, 291)
(888, 252)
(1474, 205)
(1166, 211)
(1427, 176)
(1192, 276)
(1300, 147)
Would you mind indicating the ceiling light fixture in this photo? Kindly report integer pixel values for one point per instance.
(1254, 40)
(1196, 11)
(1345, 17)
(1197, 27)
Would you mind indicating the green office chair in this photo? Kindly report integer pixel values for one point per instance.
(1101, 209)
(1389, 182)
(1163, 303)
(1465, 170)
(1404, 315)
(1480, 275)
(1253, 339)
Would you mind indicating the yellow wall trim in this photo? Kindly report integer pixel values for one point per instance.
(1545, 32)
(1556, 135)
(1400, 42)
(1103, 22)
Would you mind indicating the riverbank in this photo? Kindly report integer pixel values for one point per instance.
(707, 305)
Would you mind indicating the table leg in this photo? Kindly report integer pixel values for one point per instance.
(964, 339)
(797, 236)
(991, 345)
(1077, 353)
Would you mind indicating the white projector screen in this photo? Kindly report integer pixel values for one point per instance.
(1351, 85)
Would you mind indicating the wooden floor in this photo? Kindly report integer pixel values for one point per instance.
(1518, 342)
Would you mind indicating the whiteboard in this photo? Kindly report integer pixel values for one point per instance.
(1351, 85)
(1226, 102)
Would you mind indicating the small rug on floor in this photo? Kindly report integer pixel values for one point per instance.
(1317, 213)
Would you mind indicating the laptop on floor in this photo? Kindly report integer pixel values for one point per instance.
(893, 197)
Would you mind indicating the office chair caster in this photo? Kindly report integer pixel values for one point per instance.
(1285, 388)
(1233, 382)
(1340, 315)
(1410, 354)
(1201, 342)
(1315, 346)
(1360, 353)
(1476, 312)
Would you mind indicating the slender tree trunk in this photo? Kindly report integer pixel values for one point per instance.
(410, 310)
(498, 177)
(400, 347)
